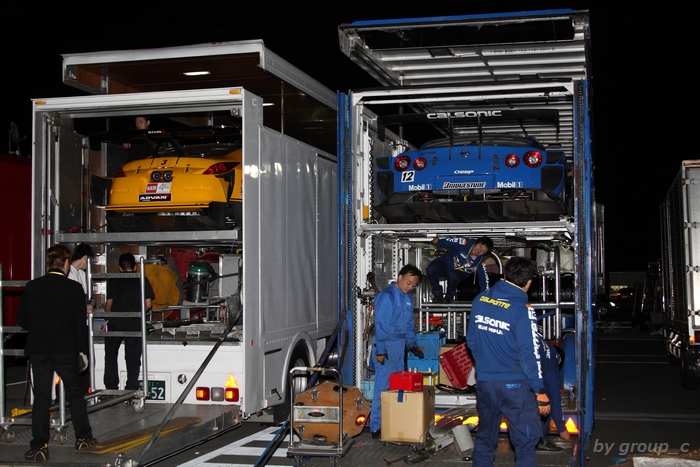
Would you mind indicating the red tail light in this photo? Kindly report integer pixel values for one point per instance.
(202, 393)
(120, 174)
(532, 159)
(420, 163)
(231, 394)
(402, 163)
(512, 160)
(220, 168)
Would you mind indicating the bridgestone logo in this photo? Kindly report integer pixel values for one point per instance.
(463, 185)
(154, 198)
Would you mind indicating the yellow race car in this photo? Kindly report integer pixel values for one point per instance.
(180, 187)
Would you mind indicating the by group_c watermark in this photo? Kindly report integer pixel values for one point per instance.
(635, 448)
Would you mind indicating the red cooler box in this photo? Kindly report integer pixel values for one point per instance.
(405, 380)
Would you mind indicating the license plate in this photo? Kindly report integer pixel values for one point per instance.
(156, 390)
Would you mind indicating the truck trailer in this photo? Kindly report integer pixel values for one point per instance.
(274, 304)
(680, 283)
(459, 93)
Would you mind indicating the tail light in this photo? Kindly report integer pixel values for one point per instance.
(220, 168)
(532, 159)
(202, 393)
(120, 174)
(511, 161)
(402, 163)
(231, 389)
(228, 393)
(420, 163)
(155, 176)
(231, 394)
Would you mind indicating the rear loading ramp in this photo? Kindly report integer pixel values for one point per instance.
(120, 431)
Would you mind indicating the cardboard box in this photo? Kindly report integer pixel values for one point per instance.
(443, 376)
(405, 380)
(406, 415)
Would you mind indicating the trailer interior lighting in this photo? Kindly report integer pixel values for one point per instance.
(504, 425)
(571, 426)
(202, 394)
(360, 420)
(197, 73)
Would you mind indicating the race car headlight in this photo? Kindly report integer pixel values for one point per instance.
(402, 163)
(511, 160)
(532, 159)
(420, 163)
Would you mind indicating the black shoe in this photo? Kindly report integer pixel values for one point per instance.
(437, 299)
(377, 434)
(548, 445)
(84, 443)
(38, 455)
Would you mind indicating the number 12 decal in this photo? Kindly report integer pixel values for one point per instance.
(407, 177)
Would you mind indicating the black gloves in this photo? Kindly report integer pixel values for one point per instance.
(415, 350)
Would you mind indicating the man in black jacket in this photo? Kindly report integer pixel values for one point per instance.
(52, 310)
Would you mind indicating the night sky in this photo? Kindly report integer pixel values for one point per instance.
(641, 58)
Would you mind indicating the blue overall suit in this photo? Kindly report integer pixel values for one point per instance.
(502, 336)
(457, 265)
(550, 374)
(394, 333)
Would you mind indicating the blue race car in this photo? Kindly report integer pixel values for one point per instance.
(476, 178)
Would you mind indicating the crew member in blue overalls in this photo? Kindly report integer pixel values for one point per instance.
(464, 259)
(502, 336)
(394, 333)
(551, 362)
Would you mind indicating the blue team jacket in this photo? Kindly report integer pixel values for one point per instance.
(502, 336)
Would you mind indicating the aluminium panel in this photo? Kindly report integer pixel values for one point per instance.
(692, 247)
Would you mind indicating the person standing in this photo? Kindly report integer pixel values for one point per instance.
(124, 295)
(551, 362)
(394, 333)
(502, 336)
(52, 311)
(80, 259)
(464, 259)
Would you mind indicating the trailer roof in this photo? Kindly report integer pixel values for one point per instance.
(477, 63)
(296, 104)
(474, 48)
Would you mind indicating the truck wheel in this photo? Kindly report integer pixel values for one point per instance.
(602, 311)
(300, 357)
(689, 375)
